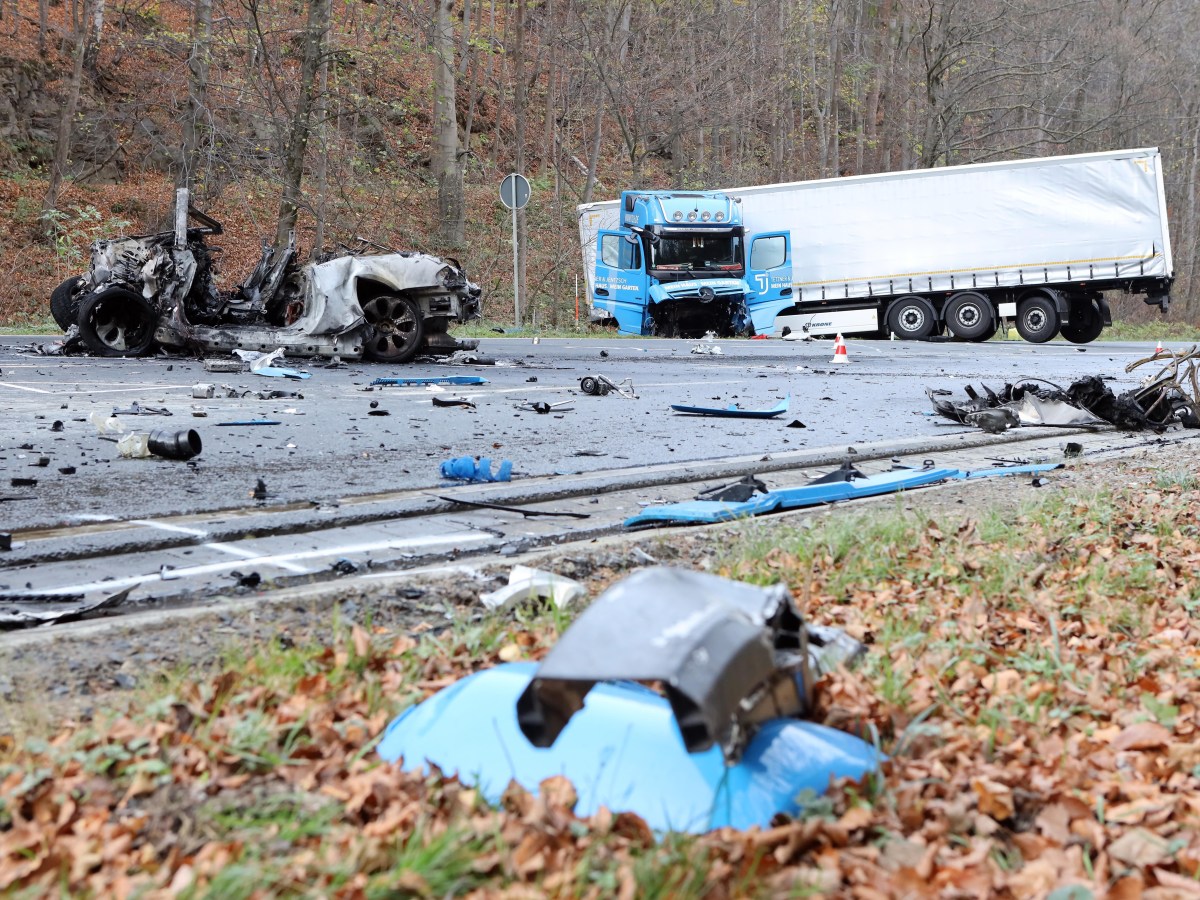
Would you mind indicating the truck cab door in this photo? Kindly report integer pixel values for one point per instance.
(769, 274)
(620, 285)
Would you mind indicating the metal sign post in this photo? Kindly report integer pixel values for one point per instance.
(514, 193)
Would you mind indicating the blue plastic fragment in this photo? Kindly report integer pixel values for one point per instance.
(279, 372)
(622, 751)
(735, 412)
(441, 379)
(467, 468)
(708, 511)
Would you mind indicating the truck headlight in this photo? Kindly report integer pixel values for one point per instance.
(720, 217)
(678, 216)
(705, 216)
(692, 216)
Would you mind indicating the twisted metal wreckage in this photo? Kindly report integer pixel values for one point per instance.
(1169, 396)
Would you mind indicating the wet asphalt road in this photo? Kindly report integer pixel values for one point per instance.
(329, 446)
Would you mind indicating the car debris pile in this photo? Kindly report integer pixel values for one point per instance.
(724, 743)
(1169, 396)
(160, 290)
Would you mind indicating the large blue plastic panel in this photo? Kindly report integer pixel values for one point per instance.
(622, 751)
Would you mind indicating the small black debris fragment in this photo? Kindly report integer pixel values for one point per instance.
(411, 593)
(5, 541)
(374, 404)
(344, 567)
(1040, 482)
(795, 423)
(57, 426)
(531, 378)
(604, 353)
(1073, 449)
(24, 482)
(260, 490)
(66, 470)
(251, 580)
(379, 412)
(42, 462)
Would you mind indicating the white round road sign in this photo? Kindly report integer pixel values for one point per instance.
(514, 191)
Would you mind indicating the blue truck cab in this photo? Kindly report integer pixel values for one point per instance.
(676, 267)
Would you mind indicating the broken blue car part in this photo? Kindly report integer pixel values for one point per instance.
(695, 512)
(467, 468)
(724, 746)
(734, 411)
(623, 751)
(441, 379)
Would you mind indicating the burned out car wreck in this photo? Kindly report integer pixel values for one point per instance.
(158, 290)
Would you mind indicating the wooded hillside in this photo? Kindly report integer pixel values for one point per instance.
(397, 119)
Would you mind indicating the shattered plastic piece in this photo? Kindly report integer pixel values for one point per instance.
(453, 401)
(707, 345)
(623, 752)
(467, 468)
(709, 511)
(136, 409)
(106, 425)
(735, 411)
(134, 445)
(1034, 410)
(440, 379)
(18, 611)
(203, 391)
(525, 584)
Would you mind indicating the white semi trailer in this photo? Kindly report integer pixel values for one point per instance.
(960, 249)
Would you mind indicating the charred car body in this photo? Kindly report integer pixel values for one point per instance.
(158, 289)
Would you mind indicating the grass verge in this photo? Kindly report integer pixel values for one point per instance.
(1034, 676)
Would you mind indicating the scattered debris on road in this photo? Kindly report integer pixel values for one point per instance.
(25, 610)
(602, 385)
(453, 401)
(438, 379)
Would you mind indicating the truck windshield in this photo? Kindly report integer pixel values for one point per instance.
(701, 251)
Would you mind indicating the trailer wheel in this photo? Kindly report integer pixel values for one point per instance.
(969, 316)
(1037, 320)
(911, 317)
(1087, 329)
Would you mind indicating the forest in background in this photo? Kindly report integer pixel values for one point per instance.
(397, 119)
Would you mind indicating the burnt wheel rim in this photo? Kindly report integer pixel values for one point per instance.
(395, 326)
(119, 328)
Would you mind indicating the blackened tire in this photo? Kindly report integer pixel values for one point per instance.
(969, 315)
(1037, 320)
(397, 331)
(117, 322)
(911, 318)
(65, 300)
(1087, 330)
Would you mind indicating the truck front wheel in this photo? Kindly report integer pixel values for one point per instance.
(1037, 320)
(911, 317)
(969, 316)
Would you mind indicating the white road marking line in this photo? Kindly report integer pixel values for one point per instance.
(116, 584)
(243, 553)
(22, 387)
(179, 529)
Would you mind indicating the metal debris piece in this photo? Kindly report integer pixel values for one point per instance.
(526, 584)
(602, 385)
(136, 409)
(528, 513)
(735, 411)
(223, 364)
(541, 406)
(737, 492)
(453, 401)
(23, 610)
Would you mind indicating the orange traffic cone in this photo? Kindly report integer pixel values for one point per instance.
(839, 351)
(1158, 349)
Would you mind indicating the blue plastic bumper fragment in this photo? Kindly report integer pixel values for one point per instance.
(440, 379)
(467, 468)
(735, 412)
(708, 511)
(623, 751)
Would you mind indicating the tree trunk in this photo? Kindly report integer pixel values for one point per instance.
(447, 161)
(197, 95)
(293, 172)
(62, 142)
(94, 26)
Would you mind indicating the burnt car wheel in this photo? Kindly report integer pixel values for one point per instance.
(117, 323)
(397, 329)
(64, 302)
